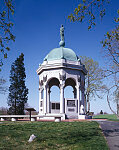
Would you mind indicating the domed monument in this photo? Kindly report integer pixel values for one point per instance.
(62, 68)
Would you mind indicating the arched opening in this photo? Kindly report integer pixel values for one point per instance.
(71, 102)
(70, 89)
(68, 92)
(54, 95)
(53, 81)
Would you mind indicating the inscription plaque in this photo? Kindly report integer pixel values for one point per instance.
(71, 103)
(71, 109)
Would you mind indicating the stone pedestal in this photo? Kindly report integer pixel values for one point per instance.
(57, 119)
(33, 119)
(13, 119)
(82, 117)
(2, 119)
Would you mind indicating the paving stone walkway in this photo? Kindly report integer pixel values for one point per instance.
(111, 132)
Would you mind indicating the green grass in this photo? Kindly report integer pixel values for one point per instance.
(51, 136)
(111, 117)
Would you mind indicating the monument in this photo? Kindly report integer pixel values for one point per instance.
(62, 68)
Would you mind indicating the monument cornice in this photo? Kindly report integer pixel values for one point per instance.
(61, 66)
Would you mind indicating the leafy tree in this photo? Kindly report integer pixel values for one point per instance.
(93, 81)
(89, 10)
(5, 28)
(17, 91)
(111, 49)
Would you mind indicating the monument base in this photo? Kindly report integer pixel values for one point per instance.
(84, 117)
(50, 116)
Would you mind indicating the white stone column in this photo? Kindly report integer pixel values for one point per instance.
(78, 98)
(45, 100)
(62, 98)
(48, 99)
(40, 97)
(75, 94)
(82, 99)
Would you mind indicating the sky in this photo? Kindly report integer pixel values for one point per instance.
(37, 30)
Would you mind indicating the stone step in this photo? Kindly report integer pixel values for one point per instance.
(71, 117)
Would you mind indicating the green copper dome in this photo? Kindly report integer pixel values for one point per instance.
(61, 53)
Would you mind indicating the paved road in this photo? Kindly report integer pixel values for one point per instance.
(111, 132)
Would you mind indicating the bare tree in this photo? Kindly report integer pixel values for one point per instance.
(93, 81)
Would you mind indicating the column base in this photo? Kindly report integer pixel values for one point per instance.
(50, 116)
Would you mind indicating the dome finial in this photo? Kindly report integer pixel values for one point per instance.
(62, 43)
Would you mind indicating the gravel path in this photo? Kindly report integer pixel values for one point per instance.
(111, 132)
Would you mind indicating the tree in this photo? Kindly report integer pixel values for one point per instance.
(89, 10)
(3, 89)
(3, 111)
(93, 81)
(117, 100)
(111, 53)
(111, 48)
(5, 28)
(17, 91)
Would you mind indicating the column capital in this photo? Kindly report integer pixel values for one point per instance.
(44, 78)
(45, 86)
(40, 89)
(79, 78)
(62, 77)
(62, 86)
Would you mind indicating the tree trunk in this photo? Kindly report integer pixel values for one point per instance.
(15, 106)
(110, 105)
(85, 103)
(88, 103)
(118, 109)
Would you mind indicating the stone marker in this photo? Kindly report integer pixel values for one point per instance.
(13, 119)
(32, 137)
(57, 119)
(2, 119)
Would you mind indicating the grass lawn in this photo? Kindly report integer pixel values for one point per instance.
(52, 135)
(111, 117)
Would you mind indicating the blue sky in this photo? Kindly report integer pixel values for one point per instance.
(37, 26)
